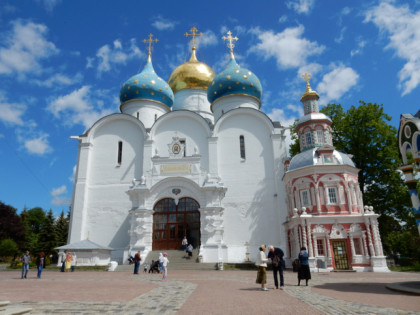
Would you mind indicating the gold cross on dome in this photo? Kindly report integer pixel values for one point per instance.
(307, 76)
(150, 41)
(230, 40)
(193, 33)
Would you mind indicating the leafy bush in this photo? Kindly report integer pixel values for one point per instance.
(8, 248)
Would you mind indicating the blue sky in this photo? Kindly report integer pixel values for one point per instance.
(62, 64)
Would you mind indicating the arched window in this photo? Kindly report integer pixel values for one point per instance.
(242, 146)
(120, 146)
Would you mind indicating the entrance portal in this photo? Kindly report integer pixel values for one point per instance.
(340, 255)
(172, 222)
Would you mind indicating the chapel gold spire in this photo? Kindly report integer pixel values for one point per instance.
(307, 76)
(230, 44)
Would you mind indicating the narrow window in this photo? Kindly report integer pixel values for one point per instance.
(308, 138)
(305, 198)
(242, 146)
(119, 151)
(182, 141)
(357, 246)
(320, 245)
(320, 136)
(138, 115)
(332, 195)
(155, 117)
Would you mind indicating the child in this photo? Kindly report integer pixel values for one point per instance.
(146, 265)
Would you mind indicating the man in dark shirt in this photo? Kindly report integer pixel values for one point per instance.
(137, 259)
(276, 256)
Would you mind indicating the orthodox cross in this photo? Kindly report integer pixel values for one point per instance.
(150, 41)
(193, 33)
(230, 40)
(307, 76)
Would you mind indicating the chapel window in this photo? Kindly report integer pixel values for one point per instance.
(320, 136)
(119, 157)
(332, 195)
(308, 138)
(242, 146)
(182, 141)
(138, 115)
(357, 246)
(305, 197)
(155, 117)
(321, 248)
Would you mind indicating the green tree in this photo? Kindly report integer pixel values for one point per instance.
(47, 240)
(8, 247)
(11, 225)
(62, 229)
(36, 218)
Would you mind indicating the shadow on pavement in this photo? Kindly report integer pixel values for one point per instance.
(366, 287)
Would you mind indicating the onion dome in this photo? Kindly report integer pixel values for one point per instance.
(234, 79)
(316, 156)
(191, 75)
(147, 85)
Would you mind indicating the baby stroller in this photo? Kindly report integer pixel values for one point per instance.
(154, 267)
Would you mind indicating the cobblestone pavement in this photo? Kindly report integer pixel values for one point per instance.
(206, 292)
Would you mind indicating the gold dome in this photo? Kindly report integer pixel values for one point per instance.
(191, 75)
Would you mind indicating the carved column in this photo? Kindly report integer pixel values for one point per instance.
(327, 241)
(315, 245)
(311, 253)
(353, 252)
(371, 249)
(365, 249)
(318, 201)
(377, 239)
(304, 237)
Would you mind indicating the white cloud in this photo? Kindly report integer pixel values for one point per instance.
(59, 200)
(337, 82)
(360, 45)
(207, 39)
(38, 145)
(11, 113)
(108, 57)
(49, 4)
(283, 19)
(59, 79)
(403, 28)
(340, 38)
(77, 108)
(24, 47)
(300, 6)
(163, 24)
(289, 48)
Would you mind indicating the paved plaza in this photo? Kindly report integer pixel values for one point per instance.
(206, 292)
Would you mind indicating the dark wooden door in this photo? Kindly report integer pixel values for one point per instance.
(172, 222)
(340, 255)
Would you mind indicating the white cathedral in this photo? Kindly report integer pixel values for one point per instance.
(196, 157)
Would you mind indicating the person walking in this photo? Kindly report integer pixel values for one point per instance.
(261, 263)
(160, 262)
(190, 249)
(165, 262)
(40, 264)
(304, 272)
(25, 259)
(137, 260)
(276, 256)
(69, 257)
(184, 243)
(63, 260)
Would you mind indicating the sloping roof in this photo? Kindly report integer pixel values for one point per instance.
(86, 244)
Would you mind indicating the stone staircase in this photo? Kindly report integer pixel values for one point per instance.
(177, 261)
(9, 309)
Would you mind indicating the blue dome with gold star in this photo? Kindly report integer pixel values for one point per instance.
(147, 85)
(234, 80)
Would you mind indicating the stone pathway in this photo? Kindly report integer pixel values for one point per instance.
(185, 291)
